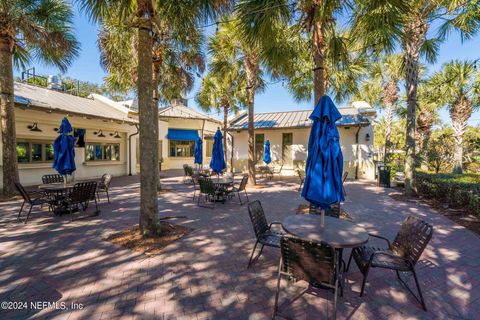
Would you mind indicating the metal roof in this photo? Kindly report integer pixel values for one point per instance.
(294, 119)
(33, 96)
(180, 111)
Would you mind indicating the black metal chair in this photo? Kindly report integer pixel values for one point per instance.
(345, 175)
(209, 190)
(104, 185)
(333, 211)
(301, 175)
(241, 187)
(401, 255)
(188, 173)
(263, 231)
(37, 198)
(316, 263)
(81, 195)
(52, 178)
(196, 184)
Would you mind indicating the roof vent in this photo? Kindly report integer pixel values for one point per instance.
(54, 83)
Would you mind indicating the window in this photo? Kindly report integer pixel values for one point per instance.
(259, 145)
(30, 151)
(208, 147)
(179, 148)
(102, 151)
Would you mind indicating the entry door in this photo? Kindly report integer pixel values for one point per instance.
(287, 151)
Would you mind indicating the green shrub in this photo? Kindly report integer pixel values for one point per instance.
(458, 190)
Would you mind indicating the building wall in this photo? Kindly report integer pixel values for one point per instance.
(31, 173)
(364, 155)
(178, 123)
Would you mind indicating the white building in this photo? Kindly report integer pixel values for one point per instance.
(289, 131)
(109, 131)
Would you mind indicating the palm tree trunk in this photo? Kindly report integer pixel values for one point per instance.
(148, 120)
(225, 124)
(156, 98)
(415, 37)
(7, 118)
(424, 130)
(319, 61)
(251, 73)
(388, 131)
(460, 113)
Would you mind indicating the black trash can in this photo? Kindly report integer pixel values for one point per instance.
(384, 176)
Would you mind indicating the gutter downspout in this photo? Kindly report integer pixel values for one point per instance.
(357, 152)
(231, 153)
(130, 150)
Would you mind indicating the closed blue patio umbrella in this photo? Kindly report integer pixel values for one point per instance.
(64, 150)
(267, 158)
(198, 151)
(324, 167)
(217, 163)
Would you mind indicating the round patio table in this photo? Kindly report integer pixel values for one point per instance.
(56, 186)
(337, 233)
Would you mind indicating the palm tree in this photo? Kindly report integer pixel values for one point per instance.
(26, 32)
(381, 90)
(148, 18)
(457, 86)
(409, 27)
(223, 92)
(318, 20)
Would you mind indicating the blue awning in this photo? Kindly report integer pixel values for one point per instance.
(182, 134)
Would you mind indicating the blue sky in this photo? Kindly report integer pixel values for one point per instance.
(275, 98)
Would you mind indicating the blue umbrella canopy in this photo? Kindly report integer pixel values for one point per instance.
(217, 163)
(267, 158)
(324, 167)
(64, 150)
(198, 151)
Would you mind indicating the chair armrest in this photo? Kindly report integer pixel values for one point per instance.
(380, 237)
(274, 223)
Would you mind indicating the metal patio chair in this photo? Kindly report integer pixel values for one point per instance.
(345, 175)
(301, 175)
(241, 187)
(401, 255)
(104, 185)
(333, 211)
(52, 178)
(316, 263)
(37, 198)
(188, 172)
(196, 184)
(81, 195)
(209, 191)
(263, 231)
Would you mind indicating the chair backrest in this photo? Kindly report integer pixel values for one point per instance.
(316, 263)
(333, 211)
(257, 216)
(83, 191)
(345, 175)
(52, 178)
(243, 183)
(188, 171)
(185, 166)
(301, 174)
(412, 238)
(105, 181)
(206, 186)
(23, 192)
(195, 178)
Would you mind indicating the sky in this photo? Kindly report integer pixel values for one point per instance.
(275, 98)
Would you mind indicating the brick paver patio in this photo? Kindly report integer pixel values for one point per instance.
(204, 275)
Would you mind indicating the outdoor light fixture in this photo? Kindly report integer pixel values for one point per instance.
(367, 137)
(115, 135)
(34, 127)
(99, 134)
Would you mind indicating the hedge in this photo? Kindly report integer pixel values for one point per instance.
(457, 190)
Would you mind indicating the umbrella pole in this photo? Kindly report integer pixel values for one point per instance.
(322, 219)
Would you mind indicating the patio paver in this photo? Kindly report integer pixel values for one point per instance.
(204, 275)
